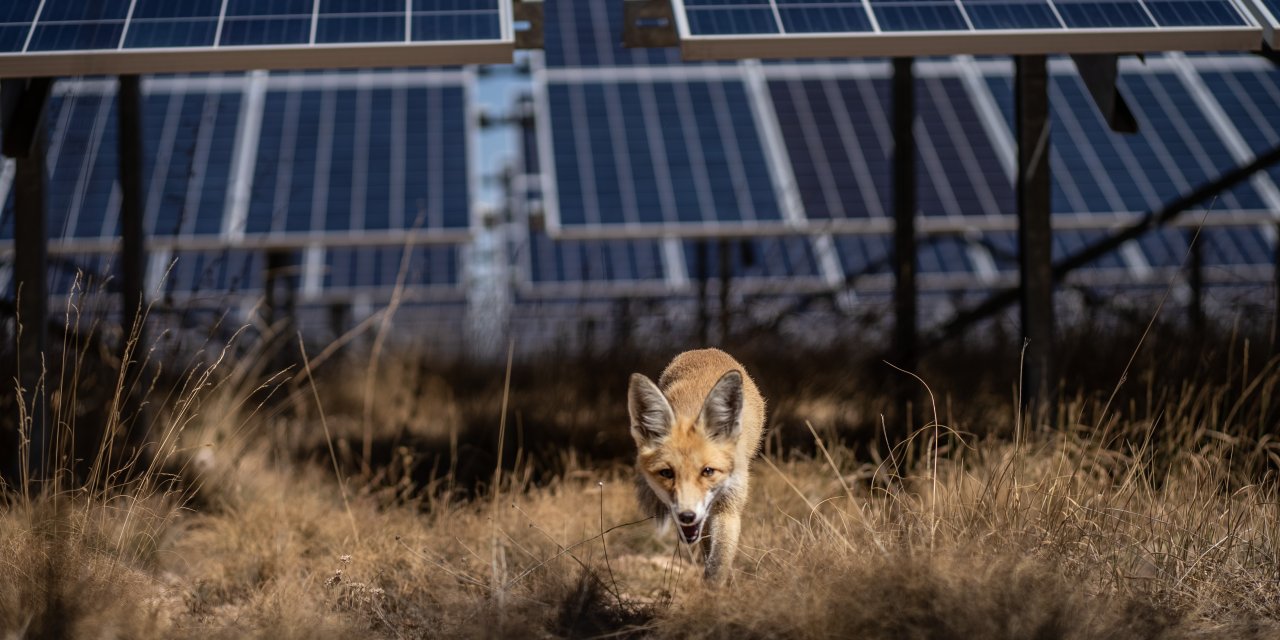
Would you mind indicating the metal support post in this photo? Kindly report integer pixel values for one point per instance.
(904, 215)
(726, 275)
(1275, 317)
(704, 291)
(1196, 281)
(30, 273)
(133, 249)
(1035, 232)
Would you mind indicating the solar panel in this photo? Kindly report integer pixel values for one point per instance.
(72, 37)
(551, 268)
(344, 168)
(832, 145)
(1097, 170)
(1249, 98)
(653, 155)
(839, 141)
(737, 29)
(590, 268)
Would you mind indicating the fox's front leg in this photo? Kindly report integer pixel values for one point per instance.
(723, 543)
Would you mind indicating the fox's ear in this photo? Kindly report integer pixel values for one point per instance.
(651, 414)
(722, 410)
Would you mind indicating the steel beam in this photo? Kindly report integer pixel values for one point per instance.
(1035, 230)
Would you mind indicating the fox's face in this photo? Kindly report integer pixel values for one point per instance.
(687, 461)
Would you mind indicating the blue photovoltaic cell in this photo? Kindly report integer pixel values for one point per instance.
(662, 152)
(1250, 100)
(455, 20)
(872, 254)
(1194, 13)
(211, 275)
(561, 261)
(164, 23)
(360, 21)
(716, 17)
(943, 254)
(188, 161)
(364, 268)
(252, 22)
(787, 257)
(807, 16)
(15, 23)
(1221, 247)
(918, 15)
(1005, 14)
(1004, 248)
(76, 25)
(864, 255)
(1103, 14)
(328, 160)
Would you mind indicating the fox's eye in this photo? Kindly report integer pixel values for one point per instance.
(708, 472)
(667, 473)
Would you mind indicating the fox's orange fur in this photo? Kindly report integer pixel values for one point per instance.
(696, 432)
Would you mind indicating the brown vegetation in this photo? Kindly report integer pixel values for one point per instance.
(1149, 513)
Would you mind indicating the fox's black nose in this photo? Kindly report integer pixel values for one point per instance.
(686, 517)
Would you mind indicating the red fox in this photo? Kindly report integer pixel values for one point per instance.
(696, 432)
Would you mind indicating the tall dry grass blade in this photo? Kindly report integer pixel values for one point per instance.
(397, 295)
(497, 558)
(933, 465)
(328, 438)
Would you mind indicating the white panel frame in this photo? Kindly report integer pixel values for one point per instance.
(1270, 21)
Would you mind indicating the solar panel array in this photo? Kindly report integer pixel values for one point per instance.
(804, 150)
(47, 37)
(711, 29)
(340, 170)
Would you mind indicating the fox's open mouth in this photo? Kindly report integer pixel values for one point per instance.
(689, 533)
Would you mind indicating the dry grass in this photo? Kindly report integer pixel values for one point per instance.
(1156, 521)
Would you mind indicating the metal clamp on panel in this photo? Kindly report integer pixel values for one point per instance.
(648, 23)
(528, 23)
